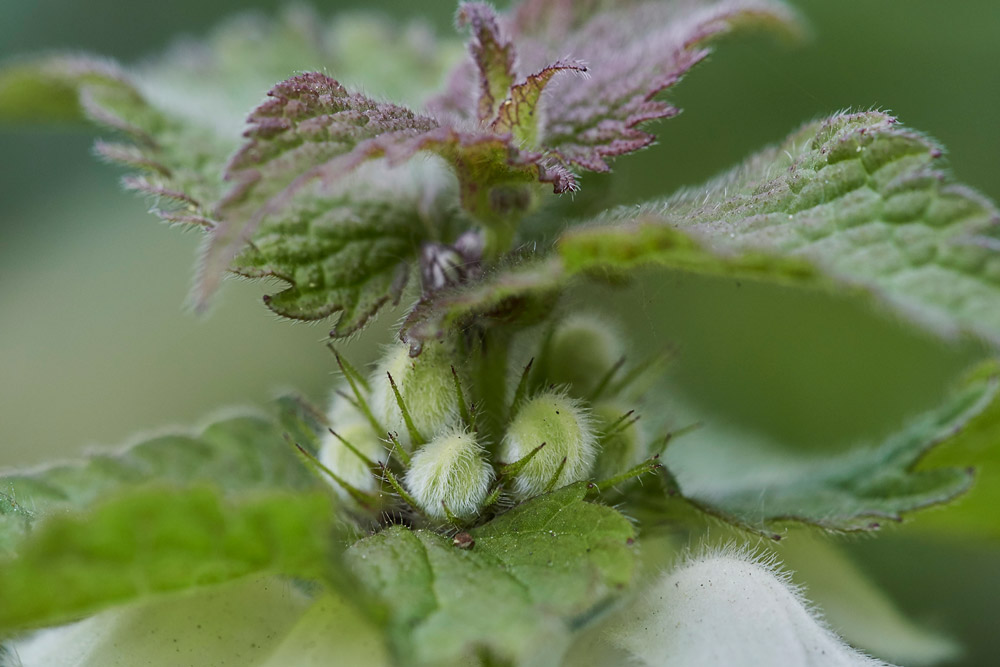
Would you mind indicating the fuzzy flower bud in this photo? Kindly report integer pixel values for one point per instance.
(582, 351)
(354, 428)
(450, 470)
(426, 386)
(566, 429)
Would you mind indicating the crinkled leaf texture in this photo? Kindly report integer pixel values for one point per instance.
(855, 203)
(765, 490)
(852, 202)
(727, 609)
(535, 574)
(631, 51)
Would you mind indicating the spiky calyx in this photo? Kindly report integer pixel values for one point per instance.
(350, 426)
(621, 442)
(426, 386)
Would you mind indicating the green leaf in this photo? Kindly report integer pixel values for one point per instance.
(534, 575)
(854, 202)
(857, 491)
(154, 540)
(238, 454)
(254, 621)
(974, 516)
(240, 621)
(348, 252)
(331, 632)
(182, 114)
(308, 120)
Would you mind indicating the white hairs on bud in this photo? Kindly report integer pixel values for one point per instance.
(450, 470)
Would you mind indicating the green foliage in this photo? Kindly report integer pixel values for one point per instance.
(473, 490)
(855, 201)
(857, 491)
(148, 541)
(533, 575)
(240, 454)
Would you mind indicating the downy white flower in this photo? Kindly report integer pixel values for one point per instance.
(733, 610)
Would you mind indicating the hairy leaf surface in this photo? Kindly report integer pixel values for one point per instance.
(533, 575)
(632, 53)
(153, 540)
(856, 201)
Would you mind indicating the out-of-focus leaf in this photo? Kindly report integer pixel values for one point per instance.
(242, 621)
(238, 454)
(533, 575)
(856, 491)
(975, 515)
(140, 542)
(856, 609)
(852, 202)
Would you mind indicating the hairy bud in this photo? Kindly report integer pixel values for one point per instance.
(583, 349)
(351, 426)
(450, 470)
(426, 386)
(565, 427)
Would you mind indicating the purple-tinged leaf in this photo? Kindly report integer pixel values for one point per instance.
(493, 55)
(313, 133)
(309, 120)
(633, 54)
(518, 114)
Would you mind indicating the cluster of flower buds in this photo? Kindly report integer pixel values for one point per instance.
(413, 431)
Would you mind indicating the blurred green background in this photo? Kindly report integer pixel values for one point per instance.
(95, 344)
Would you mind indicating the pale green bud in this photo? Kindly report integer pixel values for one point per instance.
(620, 440)
(426, 385)
(582, 350)
(352, 426)
(450, 470)
(566, 429)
